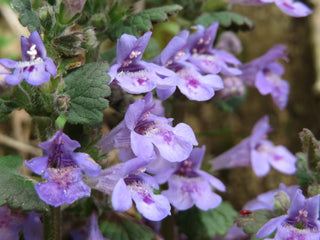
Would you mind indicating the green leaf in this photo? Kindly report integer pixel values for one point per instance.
(28, 18)
(124, 229)
(142, 21)
(252, 222)
(200, 224)
(17, 190)
(226, 19)
(87, 89)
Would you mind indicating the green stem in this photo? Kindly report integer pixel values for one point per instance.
(52, 224)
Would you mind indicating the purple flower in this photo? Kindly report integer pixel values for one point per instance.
(289, 7)
(208, 59)
(35, 66)
(300, 223)
(146, 134)
(257, 152)
(265, 74)
(130, 72)
(62, 169)
(13, 221)
(91, 232)
(131, 183)
(190, 81)
(188, 185)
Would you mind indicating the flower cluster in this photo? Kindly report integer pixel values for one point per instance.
(190, 63)
(148, 144)
(158, 163)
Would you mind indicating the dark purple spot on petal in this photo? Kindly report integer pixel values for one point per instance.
(30, 69)
(147, 199)
(193, 83)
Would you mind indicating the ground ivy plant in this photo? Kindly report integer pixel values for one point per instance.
(85, 57)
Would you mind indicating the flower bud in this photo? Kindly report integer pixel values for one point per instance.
(99, 21)
(313, 190)
(62, 103)
(71, 43)
(74, 6)
(90, 40)
(47, 16)
(281, 201)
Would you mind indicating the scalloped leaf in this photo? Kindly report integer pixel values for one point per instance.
(17, 190)
(27, 17)
(198, 224)
(226, 19)
(87, 88)
(142, 21)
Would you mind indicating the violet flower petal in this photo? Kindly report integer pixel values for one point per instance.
(63, 186)
(156, 208)
(270, 226)
(87, 164)
(121, 197)
(37, 165)
(294, 9)
(260, 164)
(33, 227)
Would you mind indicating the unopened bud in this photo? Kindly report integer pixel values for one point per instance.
(73, 7)
(281, 201)
(47, 16)
(90, 40)
(71, 43)
(62, 103)
(99, 21)
(313, 190)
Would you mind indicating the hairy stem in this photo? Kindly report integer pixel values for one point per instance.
(52, 224)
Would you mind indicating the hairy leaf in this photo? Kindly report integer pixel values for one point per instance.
(87, 89)
(200, 224)
(142, 21)
(125, 229)
(226, 19)
(28, 18)
(16, 190)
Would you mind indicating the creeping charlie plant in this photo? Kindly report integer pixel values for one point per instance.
(102, 87)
